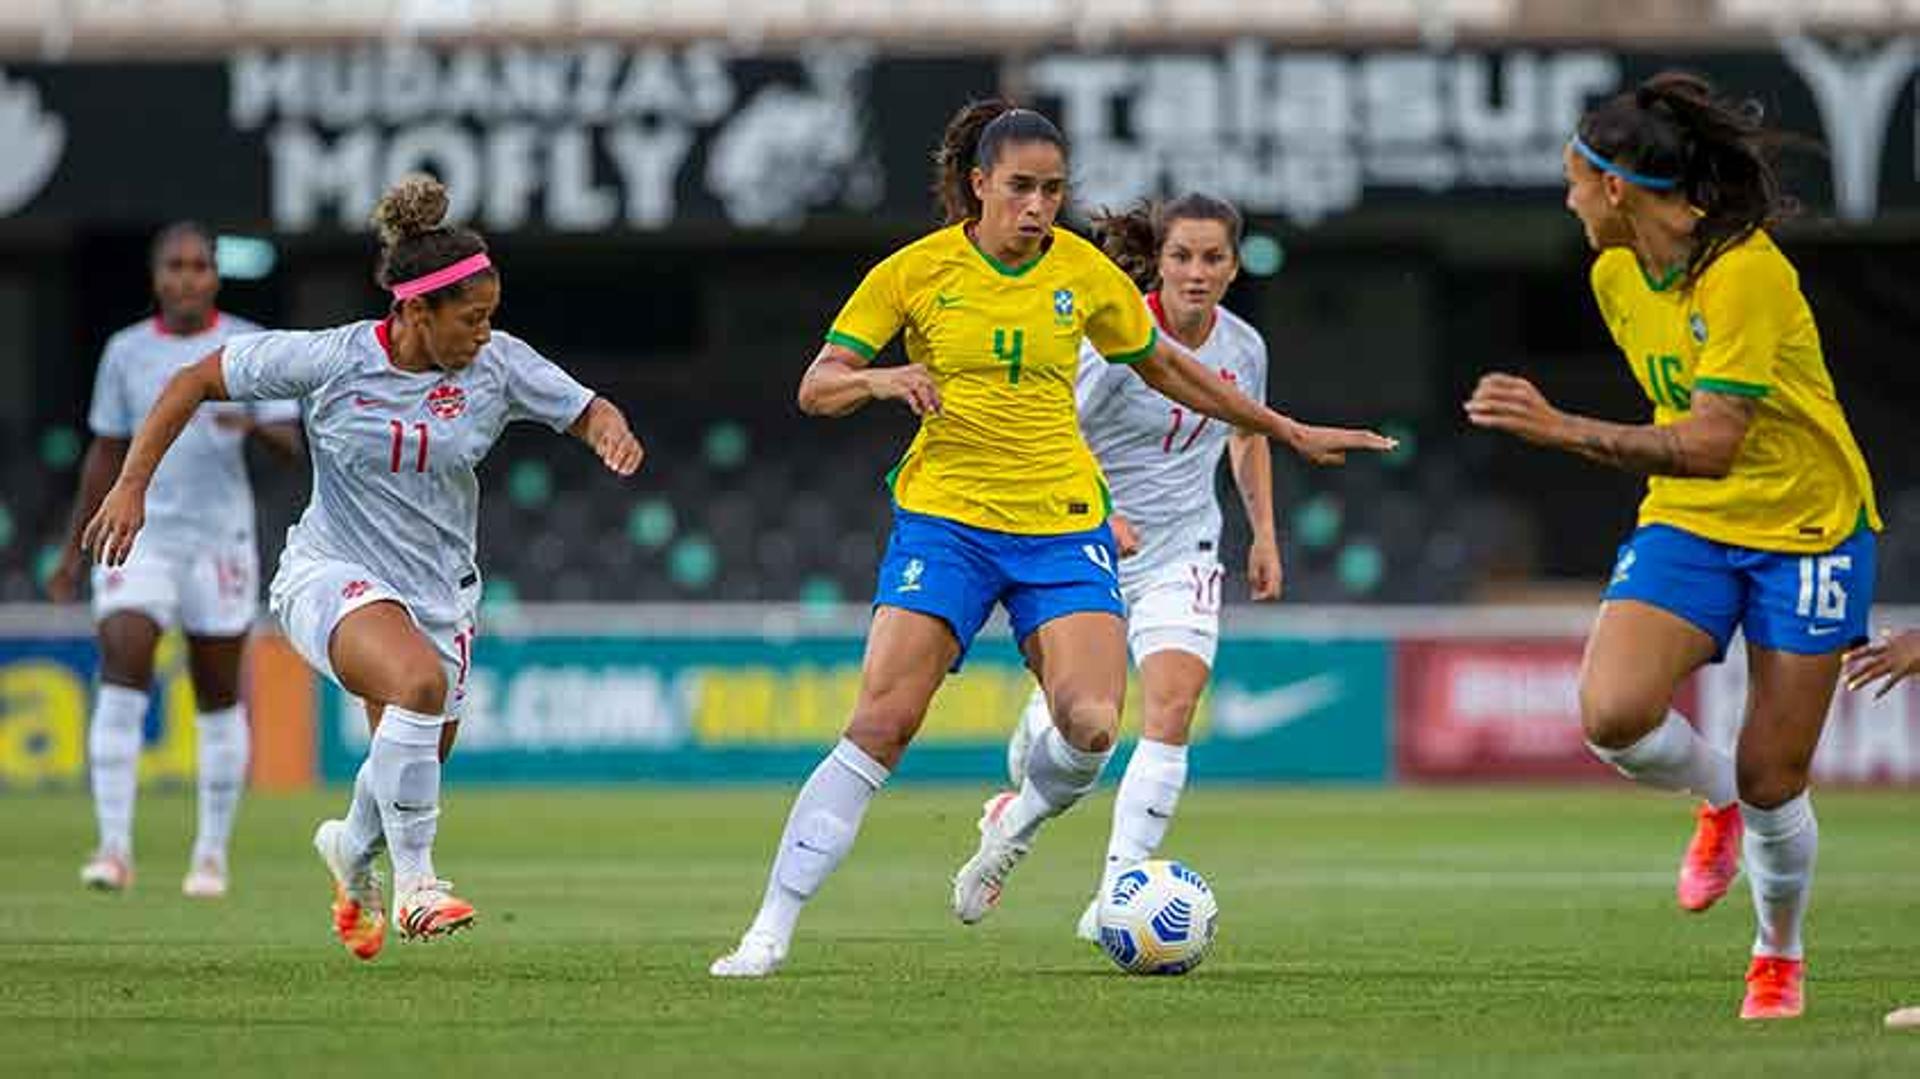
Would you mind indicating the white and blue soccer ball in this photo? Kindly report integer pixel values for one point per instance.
(1158, 918)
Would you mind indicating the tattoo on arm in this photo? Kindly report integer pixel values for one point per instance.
(1702, 445)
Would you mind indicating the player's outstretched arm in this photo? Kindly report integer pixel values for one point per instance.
(603, 427)
(1180, 377)
(97, 472)
(1890, 659)
(838, 381)
(109, 535)
(1703, 445)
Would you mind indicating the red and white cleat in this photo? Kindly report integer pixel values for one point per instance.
(206, 880)
(976, 888)
(1774, 988)
(431, 910)
(107, 871)
(1713, 857)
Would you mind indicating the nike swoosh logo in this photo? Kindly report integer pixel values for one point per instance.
(364, 402)
(806, 846)
(946, 301)
(1240, 713)
(1157, 815)
(1821, 631)
(405, 808)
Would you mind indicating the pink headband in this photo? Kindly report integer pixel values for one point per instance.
(441, 278)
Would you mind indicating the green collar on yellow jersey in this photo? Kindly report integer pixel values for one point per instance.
(1664, 281)
(1001, 267)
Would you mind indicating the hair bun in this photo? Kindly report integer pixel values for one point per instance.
(415, 204)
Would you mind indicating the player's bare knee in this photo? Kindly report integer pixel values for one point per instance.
(1767, 785)
(1087, 721)
(423, 689)
(1613, 719)
(1170, 714)
(882, 730)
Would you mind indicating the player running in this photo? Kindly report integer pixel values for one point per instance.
(377, 585)
(1759, 511)
(1160, 460)
(997, 501)
(196, 565)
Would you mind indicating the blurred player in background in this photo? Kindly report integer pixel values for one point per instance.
(1160, 460)
(196, 565)
(377, 585)
(997, 501)
(1759, 512)
(1889, 660)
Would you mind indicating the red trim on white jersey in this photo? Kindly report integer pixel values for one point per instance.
(1160, 316)
(160, 326)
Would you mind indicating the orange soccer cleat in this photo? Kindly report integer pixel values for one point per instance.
(359, 915)
(1712, 859)
(432, 910)
(1773, 988)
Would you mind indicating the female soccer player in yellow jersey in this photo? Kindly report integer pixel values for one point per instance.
(997, 501)
(1759, 511)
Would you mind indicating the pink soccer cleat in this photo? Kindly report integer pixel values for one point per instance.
(1712, 859)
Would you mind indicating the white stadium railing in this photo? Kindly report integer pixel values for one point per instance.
(134, 27)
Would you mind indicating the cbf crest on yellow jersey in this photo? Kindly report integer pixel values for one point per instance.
(1799, 484)
(1002, 344)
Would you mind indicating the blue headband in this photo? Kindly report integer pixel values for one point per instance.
(1651, 183)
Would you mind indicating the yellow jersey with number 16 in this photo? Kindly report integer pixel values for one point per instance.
(1003, 345)
(1799, 484)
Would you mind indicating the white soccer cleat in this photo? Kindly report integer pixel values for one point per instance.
(358, 882)
(206, 880)
(976, 888)
(1088, 928)
(107, 871)
(1034, 721)
(757, 956)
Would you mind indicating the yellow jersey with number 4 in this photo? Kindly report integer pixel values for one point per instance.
(1798, 484)
(1003, 345)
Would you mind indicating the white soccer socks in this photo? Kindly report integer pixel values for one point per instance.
(1674, 757)
(223, 743)
(366, 835)
(405, 764)
(819, 832)
(1143, 809)
(1780, 847)
(1058, 775)
(113, 758)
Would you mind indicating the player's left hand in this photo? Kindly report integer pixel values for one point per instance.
(109, 536)
(1888, 659)
(1330, 445)
(1264, 574)
(1512, 404)
(607, 432)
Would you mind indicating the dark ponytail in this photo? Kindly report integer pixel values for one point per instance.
(415, 239)
(1133, 239)
(975, 136)
(1713, 150)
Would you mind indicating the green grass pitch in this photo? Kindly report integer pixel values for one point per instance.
(1363, 932)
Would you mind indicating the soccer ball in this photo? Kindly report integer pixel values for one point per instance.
(1158, 918)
